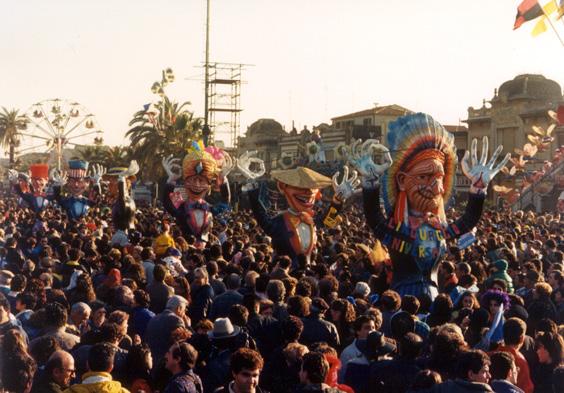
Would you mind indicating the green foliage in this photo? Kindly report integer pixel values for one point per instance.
(161, 129)
(11, 123)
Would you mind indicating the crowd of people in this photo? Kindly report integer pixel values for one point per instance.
(159, 314)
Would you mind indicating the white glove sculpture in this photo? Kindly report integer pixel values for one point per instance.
(228, 165)
(59, 178)
(360, 156)
(244, 165)
(348, 186)
(172, 168)
(482, 172)
(96, 173)
(13, 175)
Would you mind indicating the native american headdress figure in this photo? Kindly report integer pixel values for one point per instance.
(411, 139)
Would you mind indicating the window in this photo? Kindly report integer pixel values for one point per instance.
(367, 121)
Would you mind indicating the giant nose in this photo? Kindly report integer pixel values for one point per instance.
(437, 187)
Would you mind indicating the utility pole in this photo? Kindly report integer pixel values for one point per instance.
(206, 130)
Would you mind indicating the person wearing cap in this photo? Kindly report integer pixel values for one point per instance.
(415, 186)
(35, 197)
(76, 204)
(174, 263)
(499, 272)
(199, 171)
(293, 231)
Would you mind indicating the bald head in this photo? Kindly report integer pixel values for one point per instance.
(60, 368)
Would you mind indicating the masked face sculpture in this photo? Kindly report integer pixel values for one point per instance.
(77, 182)
(423, 184)
(200, 171)
(39, 177)
(77, 185)
(299, 199)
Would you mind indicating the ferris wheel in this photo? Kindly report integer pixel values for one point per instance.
(55, 125)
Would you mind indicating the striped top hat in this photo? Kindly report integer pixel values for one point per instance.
(77, 168)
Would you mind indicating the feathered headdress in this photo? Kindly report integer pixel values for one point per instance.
(410, 139)
(199, 162)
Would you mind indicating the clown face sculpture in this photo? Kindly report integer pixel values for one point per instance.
(77, 182)
(39, 177)
(300, 199)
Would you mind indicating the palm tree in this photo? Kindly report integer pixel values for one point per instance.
(117, 156)
(11, 122)
(93, 154)
(161, 129)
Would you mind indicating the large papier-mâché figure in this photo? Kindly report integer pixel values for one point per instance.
(33, 195)
(293, 231)
(199, 170)
(76, 204)
(414, 187)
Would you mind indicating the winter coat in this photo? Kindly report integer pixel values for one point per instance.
(462, 386)
(501, 266)
(97, 382)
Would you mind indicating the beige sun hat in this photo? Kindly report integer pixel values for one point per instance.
(302, 177)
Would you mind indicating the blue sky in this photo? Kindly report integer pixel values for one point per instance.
(312, 60)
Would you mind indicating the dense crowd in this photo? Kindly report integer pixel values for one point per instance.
(158, 314)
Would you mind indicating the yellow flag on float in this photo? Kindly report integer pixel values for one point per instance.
(548, 9)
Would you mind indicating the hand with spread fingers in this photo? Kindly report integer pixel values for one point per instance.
(59, 178)
(482, 172)
(361, 157)
(348, 186)
(172, 168)
(244, 164)
(228, 165)
(97, 172)
(13, 175)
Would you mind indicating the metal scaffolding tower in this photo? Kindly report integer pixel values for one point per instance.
(224, 96)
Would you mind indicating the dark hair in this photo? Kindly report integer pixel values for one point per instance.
(101, 357)
(4, 303)
(357, 324)
(502, 363)
(109, 332)
(232, 281)
(42, 348)
(245, 358)
(410, 304)
(55, 315)
(17, 374)
(410, 346)
(142, 298)
(18, 283)
(292, 328)
(159, 273)
(238, 315)
(186, 353)
(471, 360)
(426, 379)
(137, 362)
(27, 299)
(513, 331)
(390, 300)
(554, 344)
(316, 367)
(297, 305)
